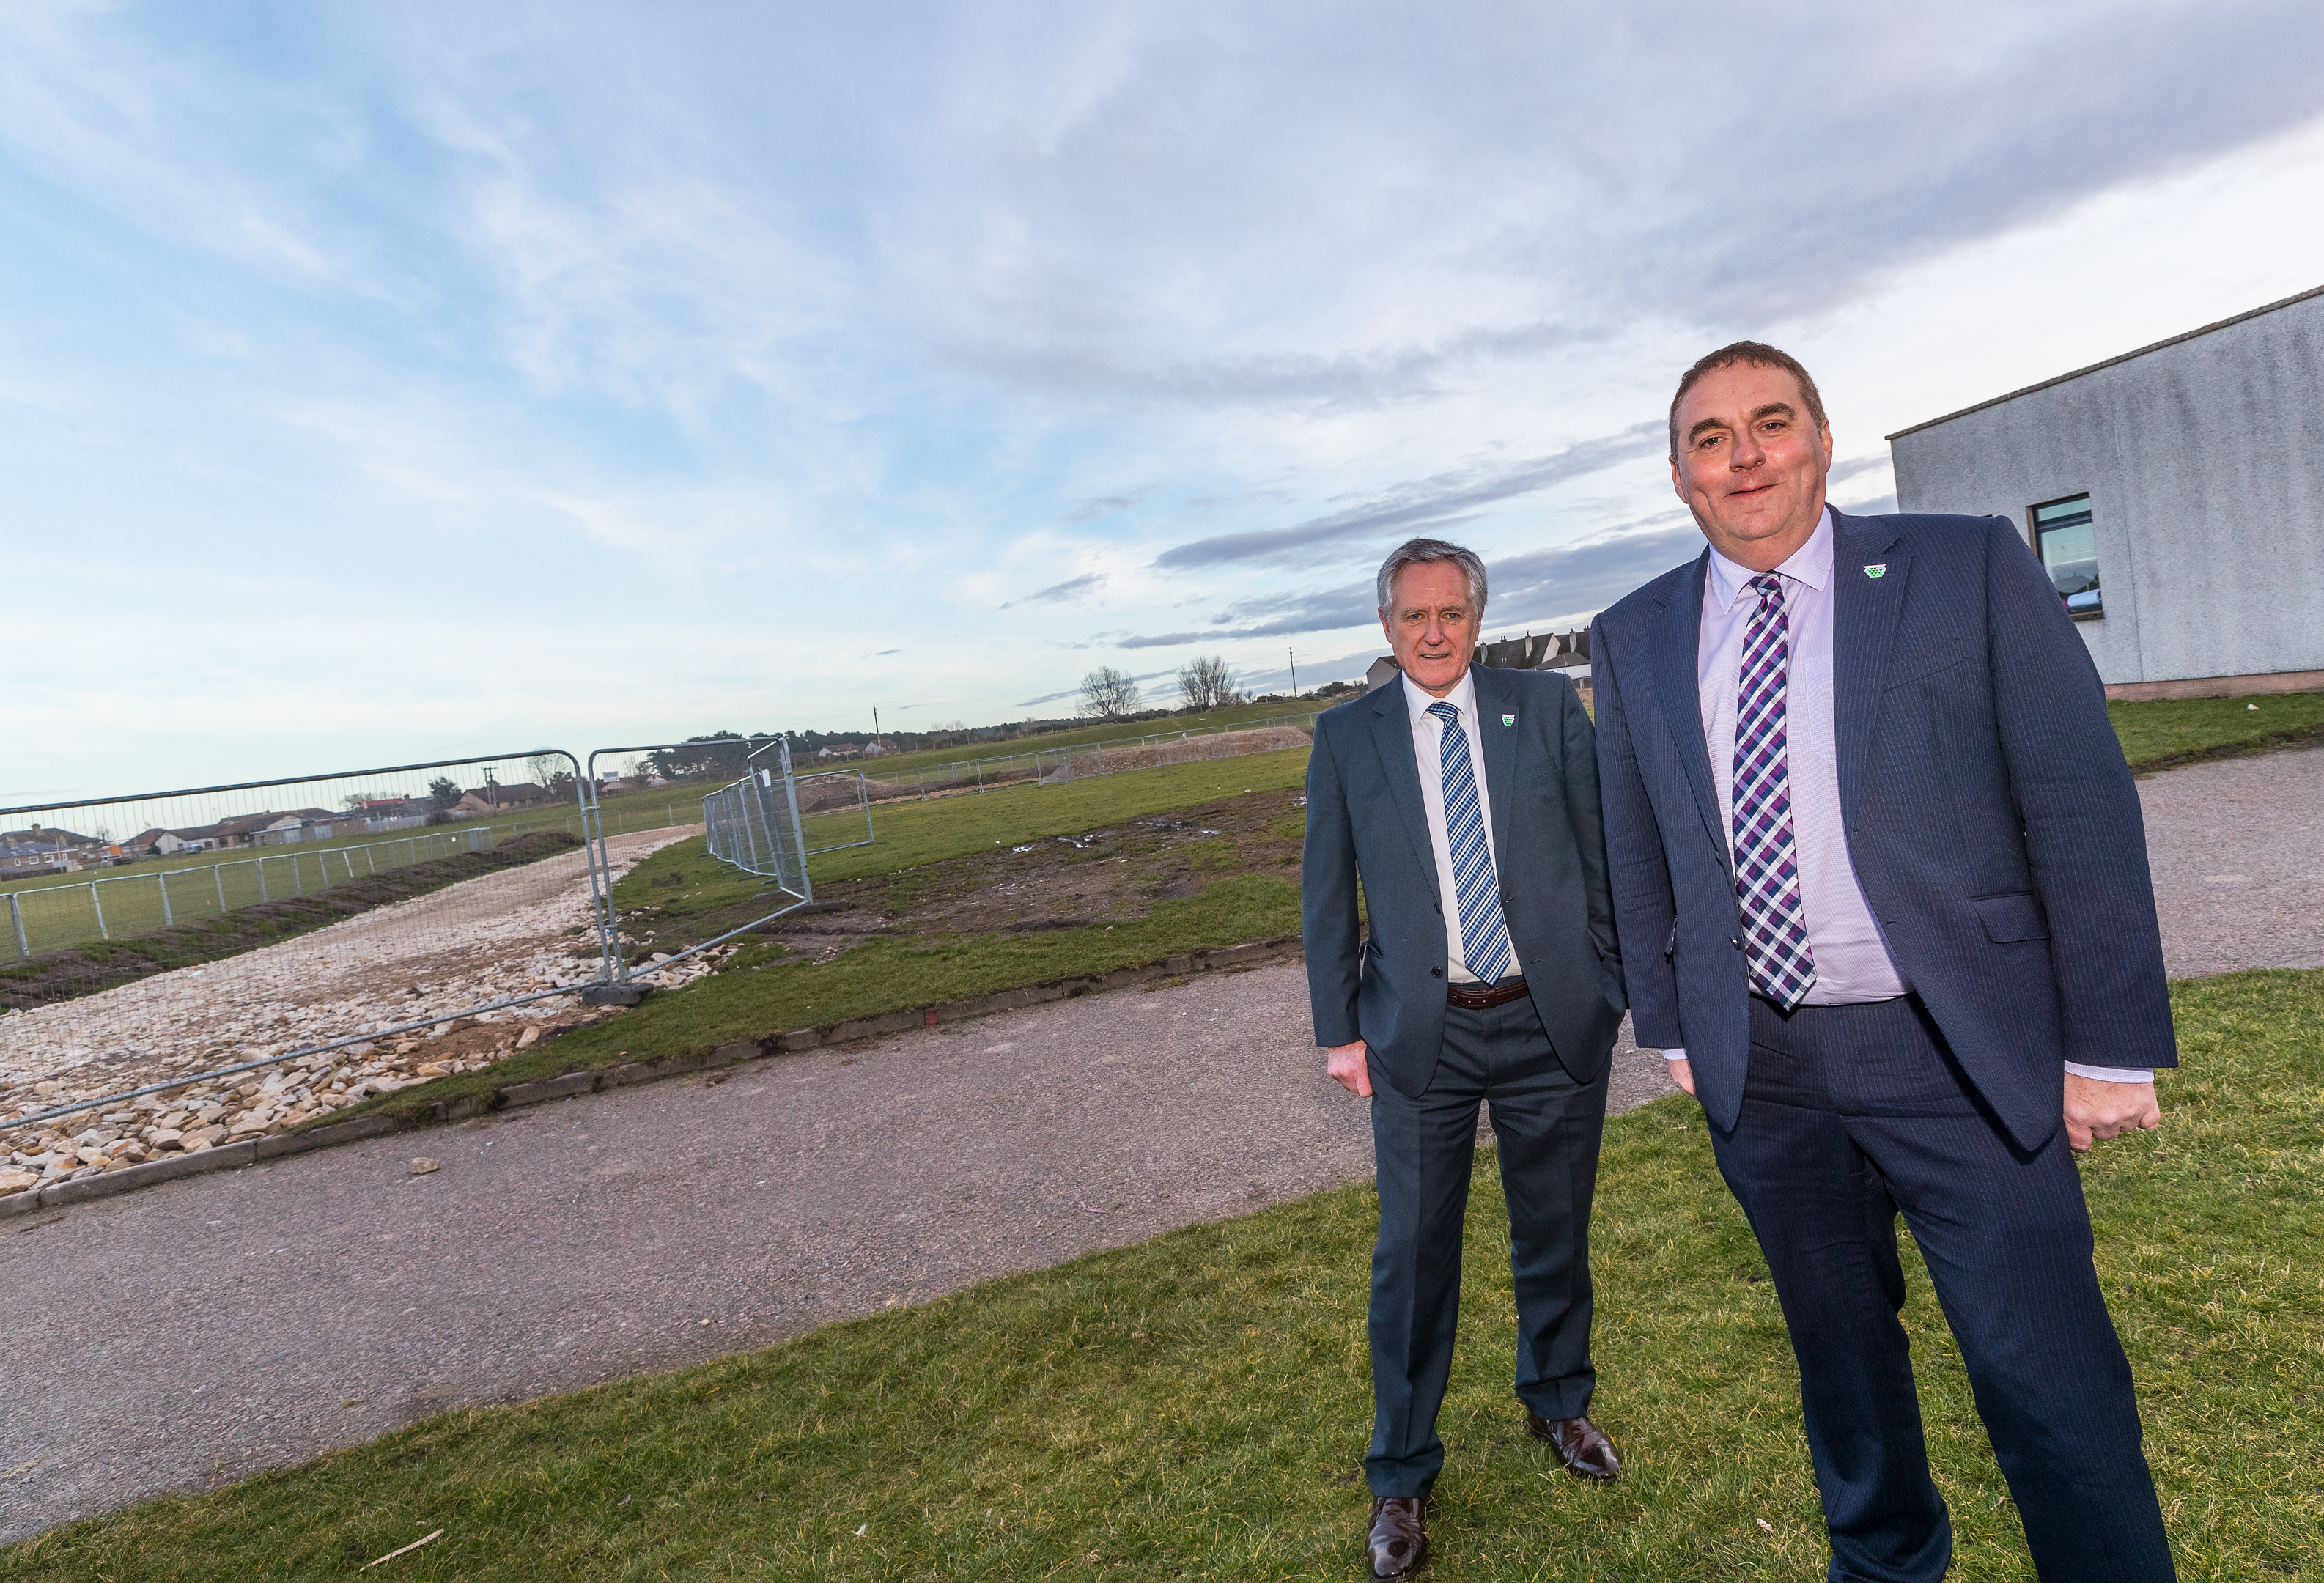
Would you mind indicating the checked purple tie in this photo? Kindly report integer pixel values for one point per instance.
(1766, 858)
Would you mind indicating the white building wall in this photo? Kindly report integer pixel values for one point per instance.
(2204, 462)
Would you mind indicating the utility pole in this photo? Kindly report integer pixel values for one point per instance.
(1294, 676)
(875, 725)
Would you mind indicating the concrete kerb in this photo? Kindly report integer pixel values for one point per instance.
(236, 1156)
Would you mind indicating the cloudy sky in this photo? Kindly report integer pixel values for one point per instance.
(398, 381)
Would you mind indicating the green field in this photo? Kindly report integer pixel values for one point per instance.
(887, 766)
(1196, 1406)
(2166, 732)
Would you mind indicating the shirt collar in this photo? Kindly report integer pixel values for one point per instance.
(1809, 564)
(1464, 696)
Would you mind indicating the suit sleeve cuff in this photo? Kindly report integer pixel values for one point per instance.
(2112, 1074)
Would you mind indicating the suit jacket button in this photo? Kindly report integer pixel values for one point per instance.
(1736, 941)
(1435, 972)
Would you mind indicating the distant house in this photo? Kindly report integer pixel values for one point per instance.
(167, 843)
(379, 809)
(280, 829)
(44, 851)
(492, 798)
(44, 841)
(840, 750)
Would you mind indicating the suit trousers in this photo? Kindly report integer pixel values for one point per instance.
(1851, 1114)
(1547, 1127)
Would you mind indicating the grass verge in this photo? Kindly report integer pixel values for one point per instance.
(912, 833)
(909, 765)
(2167, 732)
(1196, 1406)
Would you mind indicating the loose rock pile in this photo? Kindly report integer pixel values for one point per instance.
(488, 939)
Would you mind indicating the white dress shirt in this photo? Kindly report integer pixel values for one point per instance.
(1428, 747)
(1853, 963)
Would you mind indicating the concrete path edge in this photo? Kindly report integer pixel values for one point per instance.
(236, 1156)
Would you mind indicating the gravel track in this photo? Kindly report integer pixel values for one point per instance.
(2237, 850)
(182, 1337)
(486, 939)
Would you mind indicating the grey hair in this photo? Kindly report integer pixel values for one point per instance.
(1421, 552)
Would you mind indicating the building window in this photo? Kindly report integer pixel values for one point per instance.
(2067, 541)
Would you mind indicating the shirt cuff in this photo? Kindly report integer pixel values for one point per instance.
(1674, 1054)
(2112, 1074)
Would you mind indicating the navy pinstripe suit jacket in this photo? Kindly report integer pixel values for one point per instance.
(1992, 821)
(1366, 824)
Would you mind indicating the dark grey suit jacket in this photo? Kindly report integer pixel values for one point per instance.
(1365, 819)
(1991, 820)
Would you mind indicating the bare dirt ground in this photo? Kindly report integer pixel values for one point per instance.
(505, 935)
(1110, 875)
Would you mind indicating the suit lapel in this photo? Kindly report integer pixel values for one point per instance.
(1678, 638)
(1392, 737)
(1865, 608)
(1501, 744)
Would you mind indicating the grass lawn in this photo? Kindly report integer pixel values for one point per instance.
(2165, 732)
(1196, 1406)
(912, 833)
(965, 753)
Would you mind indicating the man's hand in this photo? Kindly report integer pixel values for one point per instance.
(2096, 1109)
(1682, 1073)
(1346, 1062)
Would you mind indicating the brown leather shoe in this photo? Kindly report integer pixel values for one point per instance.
(1579, 1444)
(1398, 1541)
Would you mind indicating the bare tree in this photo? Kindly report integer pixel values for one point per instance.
(1205, 682)
(1108, 694)
(543, 768)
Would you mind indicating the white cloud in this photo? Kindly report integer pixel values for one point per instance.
(668, 367)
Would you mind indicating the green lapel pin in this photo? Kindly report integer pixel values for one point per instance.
(1509, 720)
(1879, 570)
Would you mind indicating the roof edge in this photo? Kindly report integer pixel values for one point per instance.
(2110, 363)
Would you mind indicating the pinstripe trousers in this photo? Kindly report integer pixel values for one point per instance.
(1851, 1115)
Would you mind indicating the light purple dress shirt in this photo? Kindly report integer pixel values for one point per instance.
(1853, 963)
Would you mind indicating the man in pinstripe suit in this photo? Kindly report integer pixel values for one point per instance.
(1880, 877)
(1464, 801)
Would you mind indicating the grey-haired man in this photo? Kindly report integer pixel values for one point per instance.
(1464, 801)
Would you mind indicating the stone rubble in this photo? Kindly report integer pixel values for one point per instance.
(508, 934)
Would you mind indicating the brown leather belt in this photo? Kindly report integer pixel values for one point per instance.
(1485, 997)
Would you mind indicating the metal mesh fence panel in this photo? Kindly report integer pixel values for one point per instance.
(754, 823)
(228, 961)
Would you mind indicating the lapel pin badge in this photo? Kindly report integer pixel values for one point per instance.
(1509, 720)
(1879, 570)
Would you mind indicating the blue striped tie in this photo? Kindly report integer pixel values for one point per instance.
(1484, 932)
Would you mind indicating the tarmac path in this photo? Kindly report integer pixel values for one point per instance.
(181, 1337)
